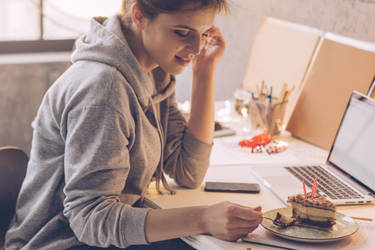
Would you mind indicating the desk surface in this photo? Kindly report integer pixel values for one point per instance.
(241, 172)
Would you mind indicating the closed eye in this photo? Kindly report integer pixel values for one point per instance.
(182, 33)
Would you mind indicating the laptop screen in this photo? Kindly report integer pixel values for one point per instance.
(353, 150)
(371, 91)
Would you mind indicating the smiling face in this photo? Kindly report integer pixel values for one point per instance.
(172, 40)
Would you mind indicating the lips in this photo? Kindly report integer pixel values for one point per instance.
(183, 61)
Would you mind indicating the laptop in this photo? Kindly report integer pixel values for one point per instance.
(348, 176)
(371, 91)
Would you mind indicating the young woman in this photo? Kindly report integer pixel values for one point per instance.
(110, 125)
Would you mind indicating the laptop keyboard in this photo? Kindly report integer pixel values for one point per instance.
(328, 183)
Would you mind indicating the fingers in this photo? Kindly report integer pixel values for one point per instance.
(245, 213)
(239, 233)
(258, 208)
(234, 223)
(251, 229)
(213, 31)
(231, 221)
(214, 35)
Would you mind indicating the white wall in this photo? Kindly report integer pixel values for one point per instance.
(352, 18)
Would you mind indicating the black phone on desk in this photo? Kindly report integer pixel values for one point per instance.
(234, 187)
(221, 130)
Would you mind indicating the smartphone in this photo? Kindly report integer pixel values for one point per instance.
(221, 131)
(235, 187)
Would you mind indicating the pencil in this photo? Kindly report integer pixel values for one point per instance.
(361, 218)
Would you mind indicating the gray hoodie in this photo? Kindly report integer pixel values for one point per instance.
(97, 143)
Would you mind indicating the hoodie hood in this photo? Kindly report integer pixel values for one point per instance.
(105, 43)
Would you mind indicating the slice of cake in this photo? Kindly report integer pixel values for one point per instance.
(317, 213)
(283, 221)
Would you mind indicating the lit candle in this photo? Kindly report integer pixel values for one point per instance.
(304, 189)
(315, 185)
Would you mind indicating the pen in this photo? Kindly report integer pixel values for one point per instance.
(361, 218)
(270, 95)
(261, 94)
(282, 93)
(284, 97)
(258, 109)
(268, 112)
(289, 93)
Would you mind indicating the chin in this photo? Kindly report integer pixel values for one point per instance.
(173, 70)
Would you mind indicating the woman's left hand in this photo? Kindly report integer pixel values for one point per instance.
(212, 51)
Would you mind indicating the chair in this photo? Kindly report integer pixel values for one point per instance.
(13, 162)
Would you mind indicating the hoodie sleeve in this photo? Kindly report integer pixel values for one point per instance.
(96, 166)
(186, 158)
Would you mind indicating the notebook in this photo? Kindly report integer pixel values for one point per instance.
(339, 66)
(350, 163)
(281, 53)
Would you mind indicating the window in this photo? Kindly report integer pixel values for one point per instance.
(18, 20)
(45, 21)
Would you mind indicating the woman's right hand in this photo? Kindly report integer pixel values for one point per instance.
(230, 221)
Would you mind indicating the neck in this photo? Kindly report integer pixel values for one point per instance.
(134, 38)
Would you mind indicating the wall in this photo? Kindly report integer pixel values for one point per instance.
(22, 86)
(352, 18)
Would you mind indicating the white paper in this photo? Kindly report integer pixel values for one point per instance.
(228, 152)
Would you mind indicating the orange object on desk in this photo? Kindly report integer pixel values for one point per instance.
(258, 140)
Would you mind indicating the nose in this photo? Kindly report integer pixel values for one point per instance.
(196, 44)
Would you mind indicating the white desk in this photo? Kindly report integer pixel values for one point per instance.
(230, 163)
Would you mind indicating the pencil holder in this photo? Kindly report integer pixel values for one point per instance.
(267, 114)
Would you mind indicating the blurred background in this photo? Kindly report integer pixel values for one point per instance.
(36, 38)
(50, 19)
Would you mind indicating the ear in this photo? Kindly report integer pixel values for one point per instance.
(137, 16)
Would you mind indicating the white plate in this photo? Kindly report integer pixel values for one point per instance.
(344, 227)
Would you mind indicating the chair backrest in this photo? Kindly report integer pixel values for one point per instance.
(13, 163)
